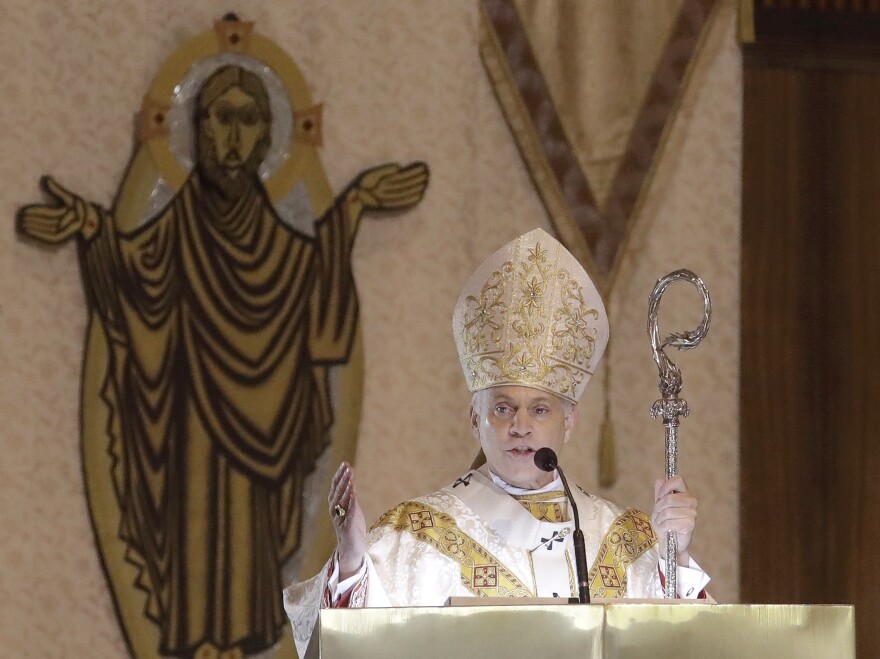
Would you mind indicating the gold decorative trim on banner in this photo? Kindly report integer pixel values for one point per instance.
(629, 537)
(595, 237)
(481, 572)
(531, 147)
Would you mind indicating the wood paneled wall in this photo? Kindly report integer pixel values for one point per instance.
(810, 387)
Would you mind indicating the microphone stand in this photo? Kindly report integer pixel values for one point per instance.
(546, 460)
(580, 552)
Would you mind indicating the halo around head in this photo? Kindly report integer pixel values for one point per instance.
(530, 316)
(296, 122)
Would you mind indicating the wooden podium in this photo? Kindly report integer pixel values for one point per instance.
(562, 631)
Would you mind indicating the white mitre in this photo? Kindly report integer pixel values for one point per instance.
(531, 316)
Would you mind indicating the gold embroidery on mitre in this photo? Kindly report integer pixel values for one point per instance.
(630, 536)
(481, 572)
(530, 315)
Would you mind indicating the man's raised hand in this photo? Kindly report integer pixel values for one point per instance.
(348, 522)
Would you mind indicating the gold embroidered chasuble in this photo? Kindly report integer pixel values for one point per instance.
(534, 533)
(472, 538)
(216, 312)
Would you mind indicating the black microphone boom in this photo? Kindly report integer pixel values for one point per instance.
(546, 460)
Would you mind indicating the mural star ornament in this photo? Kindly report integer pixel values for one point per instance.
(222, 352)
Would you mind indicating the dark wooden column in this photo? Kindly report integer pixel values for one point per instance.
(810, 387)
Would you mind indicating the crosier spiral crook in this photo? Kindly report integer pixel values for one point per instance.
(669, 406)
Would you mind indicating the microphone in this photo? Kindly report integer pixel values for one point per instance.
(546, 460)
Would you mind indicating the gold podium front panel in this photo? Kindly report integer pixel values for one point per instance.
(729, 631)
(633, 631)
(473, 631)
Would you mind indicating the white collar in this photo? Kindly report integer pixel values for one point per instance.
(555, 484)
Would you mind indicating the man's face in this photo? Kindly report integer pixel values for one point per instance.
(512, 423)
(235, 125)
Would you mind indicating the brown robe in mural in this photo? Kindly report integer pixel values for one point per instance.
(217, 313)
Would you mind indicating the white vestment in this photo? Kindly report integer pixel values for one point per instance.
(473, 538)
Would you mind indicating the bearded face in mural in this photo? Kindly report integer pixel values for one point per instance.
(232, 135)
(220, 322)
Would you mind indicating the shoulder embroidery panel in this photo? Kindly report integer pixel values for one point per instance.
(481, 572)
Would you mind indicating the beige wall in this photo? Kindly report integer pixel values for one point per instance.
(400, 81)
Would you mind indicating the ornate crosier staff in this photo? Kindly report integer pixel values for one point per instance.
(670, 406)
